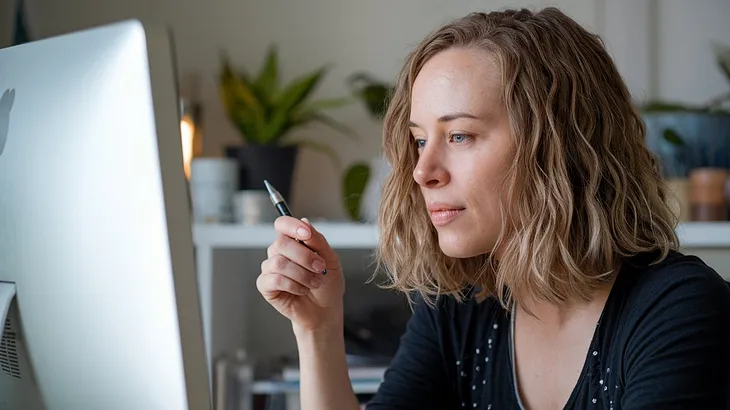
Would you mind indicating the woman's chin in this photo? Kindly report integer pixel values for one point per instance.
(455, 246)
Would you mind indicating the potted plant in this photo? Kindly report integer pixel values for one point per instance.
(688, 137)
(265, 112)
(362, 180)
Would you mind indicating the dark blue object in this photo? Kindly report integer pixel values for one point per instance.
(706, 139)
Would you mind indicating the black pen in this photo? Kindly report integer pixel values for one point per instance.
(283, 209)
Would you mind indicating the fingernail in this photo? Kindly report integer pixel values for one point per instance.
(305, 220)
(303, 232)
(318, 265)
(316, 282)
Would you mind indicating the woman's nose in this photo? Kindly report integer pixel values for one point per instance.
(430, 171)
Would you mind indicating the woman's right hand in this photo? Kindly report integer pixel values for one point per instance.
(292, 278)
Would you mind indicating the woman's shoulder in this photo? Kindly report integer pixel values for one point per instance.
(648, 279)
(650, 294)
(664, 317)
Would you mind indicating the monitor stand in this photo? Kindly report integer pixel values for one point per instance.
(18, 386)
(7, 293)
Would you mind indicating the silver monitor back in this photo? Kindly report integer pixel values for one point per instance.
(95, 227)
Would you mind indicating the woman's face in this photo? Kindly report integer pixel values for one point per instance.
(461, 129)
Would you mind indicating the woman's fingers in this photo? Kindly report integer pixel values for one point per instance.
(297, 253)
(281, 265)
(270, 285)
(304, 231)
(293, 227)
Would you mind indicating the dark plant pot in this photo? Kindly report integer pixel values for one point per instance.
(706, 137)
(258, 163)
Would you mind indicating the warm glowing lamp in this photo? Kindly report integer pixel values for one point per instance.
(187, 133)
(190, 133)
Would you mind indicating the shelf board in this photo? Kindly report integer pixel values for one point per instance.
(704, 234)
(364, 380)
(340, 235)
(344, 235)
(273, 387)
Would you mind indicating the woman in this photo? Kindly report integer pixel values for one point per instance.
(527, 220)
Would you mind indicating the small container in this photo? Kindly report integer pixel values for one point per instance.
(708, 201)
(233, 381)
(212, 184)
(253, 207)
(679, 198)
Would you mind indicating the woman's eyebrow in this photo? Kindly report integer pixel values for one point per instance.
(449, 117)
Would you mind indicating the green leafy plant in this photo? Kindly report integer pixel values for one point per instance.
(353, 185)
(673, 138)
(265, 111)
(375, 95)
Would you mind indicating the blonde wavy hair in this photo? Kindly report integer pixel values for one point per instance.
(582, 194)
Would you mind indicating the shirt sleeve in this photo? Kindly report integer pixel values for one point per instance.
(679, 354)
(416, 377)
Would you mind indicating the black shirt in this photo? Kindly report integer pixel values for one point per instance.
(662, 342)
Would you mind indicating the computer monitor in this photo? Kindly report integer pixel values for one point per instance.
(95, 231)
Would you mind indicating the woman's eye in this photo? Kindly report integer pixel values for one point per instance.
(459, 138)
(420, 143)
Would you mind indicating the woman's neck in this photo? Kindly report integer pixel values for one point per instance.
(558, 316)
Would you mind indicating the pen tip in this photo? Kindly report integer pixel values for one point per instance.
(274, 195)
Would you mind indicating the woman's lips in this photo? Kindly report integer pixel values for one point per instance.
(442, 217)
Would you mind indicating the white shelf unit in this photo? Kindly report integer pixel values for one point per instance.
(695, 237)
(252, 240)
(344, 235)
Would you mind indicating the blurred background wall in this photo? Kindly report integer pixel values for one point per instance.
(662, 48)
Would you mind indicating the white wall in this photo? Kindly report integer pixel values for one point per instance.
(685, 62)
(316, 32)
(309, 33)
